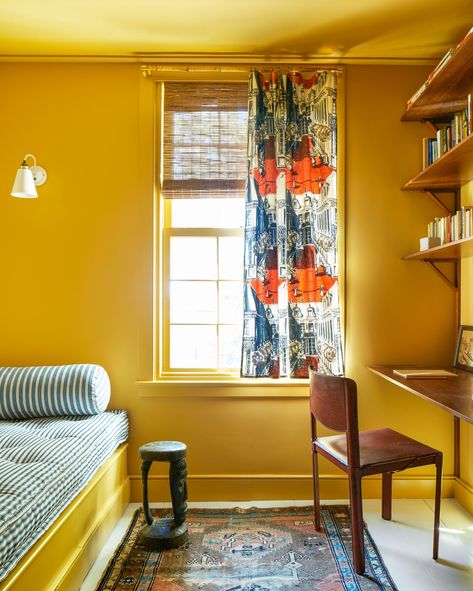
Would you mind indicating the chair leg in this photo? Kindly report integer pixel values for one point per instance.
(315, 482)
(387, 493)
(357, 523)
(438, 489)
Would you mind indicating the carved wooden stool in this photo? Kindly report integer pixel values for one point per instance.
(166, 532)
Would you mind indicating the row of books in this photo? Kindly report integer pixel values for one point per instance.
(452, 227)
(449, 135)
(438, 68)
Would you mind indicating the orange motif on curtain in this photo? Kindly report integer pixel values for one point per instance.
(307, 174)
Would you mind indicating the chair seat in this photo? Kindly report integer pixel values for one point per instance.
(379, 446)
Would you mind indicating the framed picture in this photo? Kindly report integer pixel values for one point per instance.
(464, 349)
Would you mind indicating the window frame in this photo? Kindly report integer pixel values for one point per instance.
(153, 381)
(168, 232)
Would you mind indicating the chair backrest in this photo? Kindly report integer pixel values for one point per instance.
(333, 403)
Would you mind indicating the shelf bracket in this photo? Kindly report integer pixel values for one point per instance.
(430, 124)
(453, 285)
(438, 202)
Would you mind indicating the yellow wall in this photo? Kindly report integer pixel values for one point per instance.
(77, 277)
(397, 311)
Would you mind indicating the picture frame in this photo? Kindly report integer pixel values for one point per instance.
(464, 348)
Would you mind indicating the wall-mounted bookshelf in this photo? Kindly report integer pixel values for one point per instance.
(451, 251)
(444, 93)
(450, 171)
(443, 97)
(446, 88)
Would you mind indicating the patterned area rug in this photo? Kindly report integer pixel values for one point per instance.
(249, 550)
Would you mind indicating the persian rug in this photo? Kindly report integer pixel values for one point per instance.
(249, 550)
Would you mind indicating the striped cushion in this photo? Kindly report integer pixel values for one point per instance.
(57, 390)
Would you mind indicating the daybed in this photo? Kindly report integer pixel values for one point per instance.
(62, 479)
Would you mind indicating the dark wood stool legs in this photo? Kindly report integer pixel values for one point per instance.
(145, 466)
(166, 532)
(178, 482)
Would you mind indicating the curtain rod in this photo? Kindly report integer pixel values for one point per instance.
(147, 70)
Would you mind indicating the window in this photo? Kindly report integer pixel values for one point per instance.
(204, 167)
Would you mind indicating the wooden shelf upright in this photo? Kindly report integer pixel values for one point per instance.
(444, 93)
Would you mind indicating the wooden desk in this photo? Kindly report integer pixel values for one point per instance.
(455, 395)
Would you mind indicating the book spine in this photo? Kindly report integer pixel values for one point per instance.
(465, 123)
(439, 143)
(465, 38)
(468, 114)
(432, 150)
(417, 94)
(456, 129)
(457, 226)
(425, 153)
(449, 136)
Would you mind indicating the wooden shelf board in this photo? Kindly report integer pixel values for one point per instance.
(452, 394)
(451, 171)
(447, 91)
(449, 251)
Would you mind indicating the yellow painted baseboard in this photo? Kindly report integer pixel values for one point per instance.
(85, 554)
(464, 494)
(246, 487)
(60, 559)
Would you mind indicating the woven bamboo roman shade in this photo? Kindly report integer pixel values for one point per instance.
(205, 140)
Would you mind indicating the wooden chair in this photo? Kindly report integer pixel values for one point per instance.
(333, 403)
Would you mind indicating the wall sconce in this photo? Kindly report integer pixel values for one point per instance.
(27, 179)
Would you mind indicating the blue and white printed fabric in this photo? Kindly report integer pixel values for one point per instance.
(44, 464)
(56, 390)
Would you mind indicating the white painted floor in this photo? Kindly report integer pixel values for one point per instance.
(405, 543)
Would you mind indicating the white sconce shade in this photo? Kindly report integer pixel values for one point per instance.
(27, 179)
(24, 184)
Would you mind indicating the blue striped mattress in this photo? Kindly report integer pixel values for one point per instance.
(44, 464)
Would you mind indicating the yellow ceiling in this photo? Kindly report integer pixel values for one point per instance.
(348, 29)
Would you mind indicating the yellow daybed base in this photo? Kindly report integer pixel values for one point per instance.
(61, 558)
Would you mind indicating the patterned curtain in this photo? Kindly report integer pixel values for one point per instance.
(291, 302)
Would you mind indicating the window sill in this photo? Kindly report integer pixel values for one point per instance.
(224, 388)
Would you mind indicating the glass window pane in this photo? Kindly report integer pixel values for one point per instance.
(208, 213)
(194, 213)
(230, 302)
(231, 213)
(193, 258)
(193, 302)
(230, 257)
(193, 346)
(229, 345)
